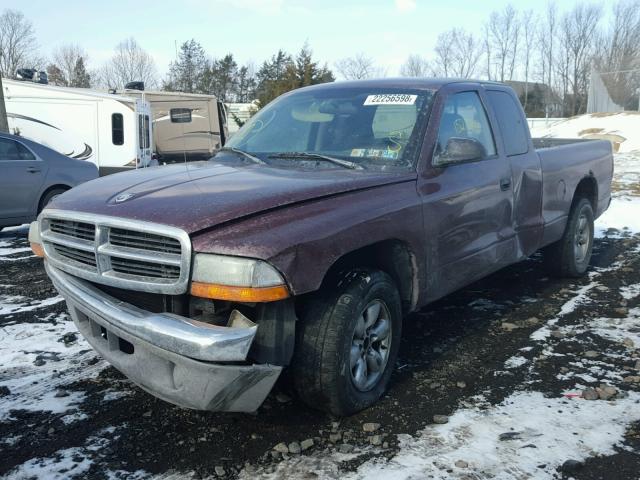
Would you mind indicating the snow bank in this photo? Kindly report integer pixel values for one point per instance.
(623, 215)
(623, 129)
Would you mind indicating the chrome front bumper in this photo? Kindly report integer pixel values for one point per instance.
(172, 355)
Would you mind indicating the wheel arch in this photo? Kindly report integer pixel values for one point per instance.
(57, 186)
(587, 188)
(393, 257)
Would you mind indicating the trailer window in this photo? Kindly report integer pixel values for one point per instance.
(180, 115)
(117, 129)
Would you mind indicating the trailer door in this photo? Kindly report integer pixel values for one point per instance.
(144, 128)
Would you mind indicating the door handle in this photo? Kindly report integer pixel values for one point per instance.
(33, 170)
(505, 184)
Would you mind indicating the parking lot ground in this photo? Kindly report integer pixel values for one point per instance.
(527, 376)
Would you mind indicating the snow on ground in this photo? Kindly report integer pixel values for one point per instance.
(38, 361)
(622, 330)
(18, 303)
(621, 128)
(623, 215)
(527, 435)
(68, 462)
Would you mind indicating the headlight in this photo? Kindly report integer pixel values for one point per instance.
(34, 239)
(236, 279)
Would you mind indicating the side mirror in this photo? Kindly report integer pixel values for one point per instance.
(461, 150)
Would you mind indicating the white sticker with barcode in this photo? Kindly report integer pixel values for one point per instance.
(391, 99)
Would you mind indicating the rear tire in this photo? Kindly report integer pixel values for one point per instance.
(570, 256)
(50, 195)
(347, 343)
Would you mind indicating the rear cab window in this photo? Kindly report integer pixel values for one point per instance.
(511, 122)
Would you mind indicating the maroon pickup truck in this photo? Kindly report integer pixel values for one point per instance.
(333, 213)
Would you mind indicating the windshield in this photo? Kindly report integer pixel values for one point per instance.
(373, 129)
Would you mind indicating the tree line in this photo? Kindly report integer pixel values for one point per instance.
(550, 53)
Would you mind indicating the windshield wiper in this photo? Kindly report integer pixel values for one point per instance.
(317, 156)
(253, 158)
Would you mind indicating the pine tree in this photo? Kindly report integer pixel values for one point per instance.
(55, 76)
(272, 77)
(245, 85)
(186, 73)
(80, 78)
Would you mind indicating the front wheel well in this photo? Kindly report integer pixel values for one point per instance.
(59, 186)
(393, 257)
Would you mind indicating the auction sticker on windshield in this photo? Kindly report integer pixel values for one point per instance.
(391, 99)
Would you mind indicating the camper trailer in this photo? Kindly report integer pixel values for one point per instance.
(186, 126)
(112, 131)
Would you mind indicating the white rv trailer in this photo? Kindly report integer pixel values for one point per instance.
(112, 131)
(186, 126)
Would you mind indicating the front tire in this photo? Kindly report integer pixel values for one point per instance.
(570, 256)
(347, 343)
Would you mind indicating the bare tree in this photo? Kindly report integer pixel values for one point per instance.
(486, 43)
(546, 36)
(415, 66)
(501, 38)
(358, 67)
(528, 31)
(578, 34)
(130, 62)
(457, 54)
(18, 46)
(63, 69)
(618, 53)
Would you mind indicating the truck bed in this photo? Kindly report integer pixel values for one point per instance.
(565, 162)
(549, 142)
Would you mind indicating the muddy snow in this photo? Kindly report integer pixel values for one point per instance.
(536, 377)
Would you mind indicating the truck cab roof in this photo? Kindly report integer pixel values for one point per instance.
(415, 83)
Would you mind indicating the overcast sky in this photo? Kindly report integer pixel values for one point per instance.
(387, 30)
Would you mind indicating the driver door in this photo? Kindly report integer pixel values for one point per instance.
(467, 203)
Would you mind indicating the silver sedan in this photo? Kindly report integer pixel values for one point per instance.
(31, 175)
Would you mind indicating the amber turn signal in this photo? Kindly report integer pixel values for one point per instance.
(37, 249)
(239, 294)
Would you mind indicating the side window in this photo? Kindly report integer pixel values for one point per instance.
(117, 129)
(464, 120)
(511, 122)
(24, 153)
(180, 115)
(12, 150)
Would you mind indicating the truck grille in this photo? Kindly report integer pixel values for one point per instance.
(117, 252)
(85, 231)
(147, 269)
(80, 256)
(146, 241)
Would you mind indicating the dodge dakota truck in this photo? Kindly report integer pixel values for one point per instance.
(303, 243)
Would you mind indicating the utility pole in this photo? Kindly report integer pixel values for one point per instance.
(4, 125)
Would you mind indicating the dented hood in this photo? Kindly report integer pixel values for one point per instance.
(201, 195)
